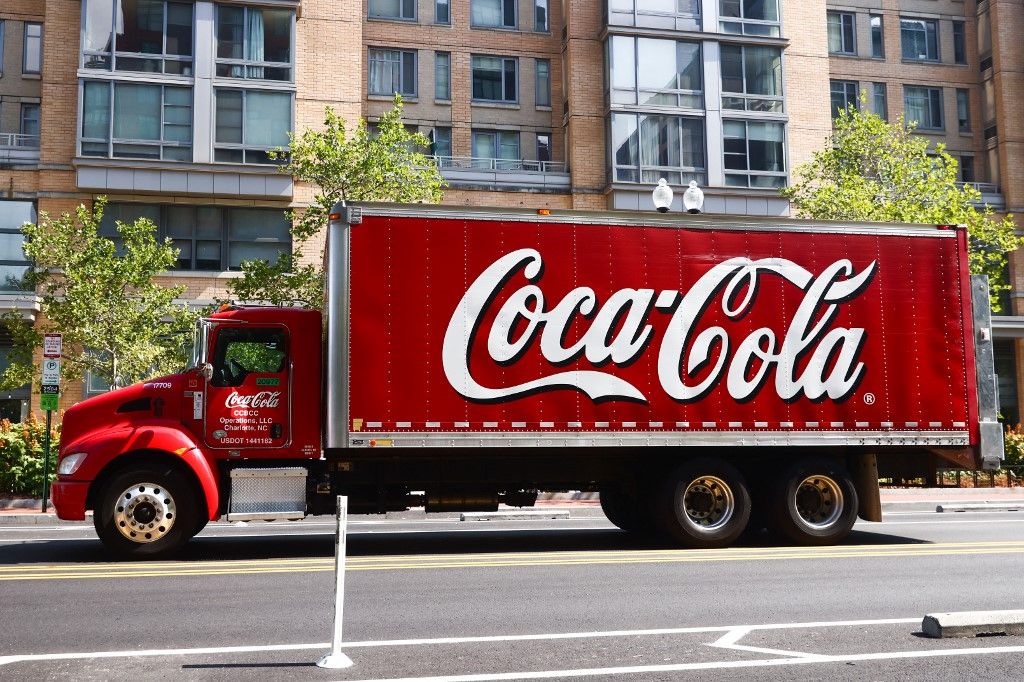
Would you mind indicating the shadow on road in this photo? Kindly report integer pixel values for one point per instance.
(384, 543)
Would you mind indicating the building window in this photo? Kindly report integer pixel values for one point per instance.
(965, 168)
(750, 17)
(151, 36)
(655, 72)
(441, 142)
(495, 79)
(646, 147)
(543, 81)
(963, 111)
(254, 43)
(209, 238)
(844, 94)
(685, 13)
(13, 263)
(442, 76)
(32, 56)
(249, 123)
(877, 37)
(497, 147)
(923, 105)
(392, 9)
(136, 120)
(880, 100)
(392, 71)
(920, 39)
(493, 13)
(30, 120)
(442, 12)
(841, 33)
(540, 17)
(752, 78)
(959, 42)
(754, 154)
(543, 148)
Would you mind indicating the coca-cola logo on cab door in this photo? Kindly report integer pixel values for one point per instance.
(810, 358)
(261, 399)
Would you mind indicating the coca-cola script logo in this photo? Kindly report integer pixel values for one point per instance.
(690, 364)
(261, 399)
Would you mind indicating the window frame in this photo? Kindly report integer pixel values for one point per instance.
(246, 64)
(547, 145)
(845, 85)
(538, 25)
(109, 231)
(28, 106)
(747, 26)
(110, 141)
(446, 94)
(496, 162)
(246, 149)
(877, 47)
(25, 262)
(960, 166)
(504, 83)
(434, 135)
(748, 173)
(685, 98)
(187, 62)
(25, 37)
(542, 94)
(779, 100)
(411, 94)
(925, 23)
(880, 89)
(963, 124)
(843, 18)
(685, 173)
(928, 90)
(505, 4)
(959, 43)
(402, 6)
(446, 4)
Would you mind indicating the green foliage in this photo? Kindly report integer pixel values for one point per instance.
(1014, 444)
(21, 456)
(379, 165)
(116, 321)
(879, 171)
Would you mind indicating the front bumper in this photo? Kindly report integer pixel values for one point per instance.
(69, 499)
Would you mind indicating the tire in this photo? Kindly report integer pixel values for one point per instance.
(814, 502)
(148, 512)
(624, 510)
(704, 504)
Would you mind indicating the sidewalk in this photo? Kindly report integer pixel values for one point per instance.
(25, 512)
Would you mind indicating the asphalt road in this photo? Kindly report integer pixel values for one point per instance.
(541, 599)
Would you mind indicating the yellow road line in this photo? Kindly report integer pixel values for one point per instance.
(390, 563)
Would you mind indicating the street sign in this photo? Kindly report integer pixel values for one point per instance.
(52, 345)
(51, 371)
(48, 402)
(51, 389)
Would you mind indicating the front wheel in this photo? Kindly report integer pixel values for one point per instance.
(814, 502)
(624, 510)
(704, 504)
(147, 512)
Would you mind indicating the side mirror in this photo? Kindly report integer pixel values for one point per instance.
(206, 370)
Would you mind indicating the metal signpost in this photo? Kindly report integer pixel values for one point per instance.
(52, 346)
(335, 658)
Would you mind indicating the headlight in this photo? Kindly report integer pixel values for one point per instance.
(69, 464)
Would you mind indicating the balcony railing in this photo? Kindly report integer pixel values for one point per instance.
(990, 194)
(514, 165)
(19, 141)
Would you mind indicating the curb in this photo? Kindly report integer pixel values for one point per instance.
(1009, 505)
(973, 624)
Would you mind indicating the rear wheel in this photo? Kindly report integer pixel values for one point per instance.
(623, 510)
(814, 503)
(704, 504)
(146, 512)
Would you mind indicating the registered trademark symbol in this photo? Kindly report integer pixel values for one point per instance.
(869, 398)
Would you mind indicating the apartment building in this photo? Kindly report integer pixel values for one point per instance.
(169, 107)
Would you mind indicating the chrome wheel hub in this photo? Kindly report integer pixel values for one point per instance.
(819, 501)
(144, 513)
(708, 503)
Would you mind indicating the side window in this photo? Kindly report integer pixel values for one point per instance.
(241, 352)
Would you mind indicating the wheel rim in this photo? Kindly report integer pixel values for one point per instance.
(708, 503)
(144, 513)
(819, 501)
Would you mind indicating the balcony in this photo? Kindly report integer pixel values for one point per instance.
(473, 172)
(990, 194)
(18, 150)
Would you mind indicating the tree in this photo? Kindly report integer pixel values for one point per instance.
(383, 164)
(117, 322)
(874, 170)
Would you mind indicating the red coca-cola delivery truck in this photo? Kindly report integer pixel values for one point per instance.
(704, 373)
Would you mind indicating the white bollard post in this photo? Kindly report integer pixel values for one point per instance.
(334, 658)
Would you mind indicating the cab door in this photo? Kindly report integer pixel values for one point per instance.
(248, 400)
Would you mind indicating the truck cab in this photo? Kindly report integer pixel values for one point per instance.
(155, 461)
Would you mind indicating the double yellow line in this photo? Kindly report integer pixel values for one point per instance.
(495, 560)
